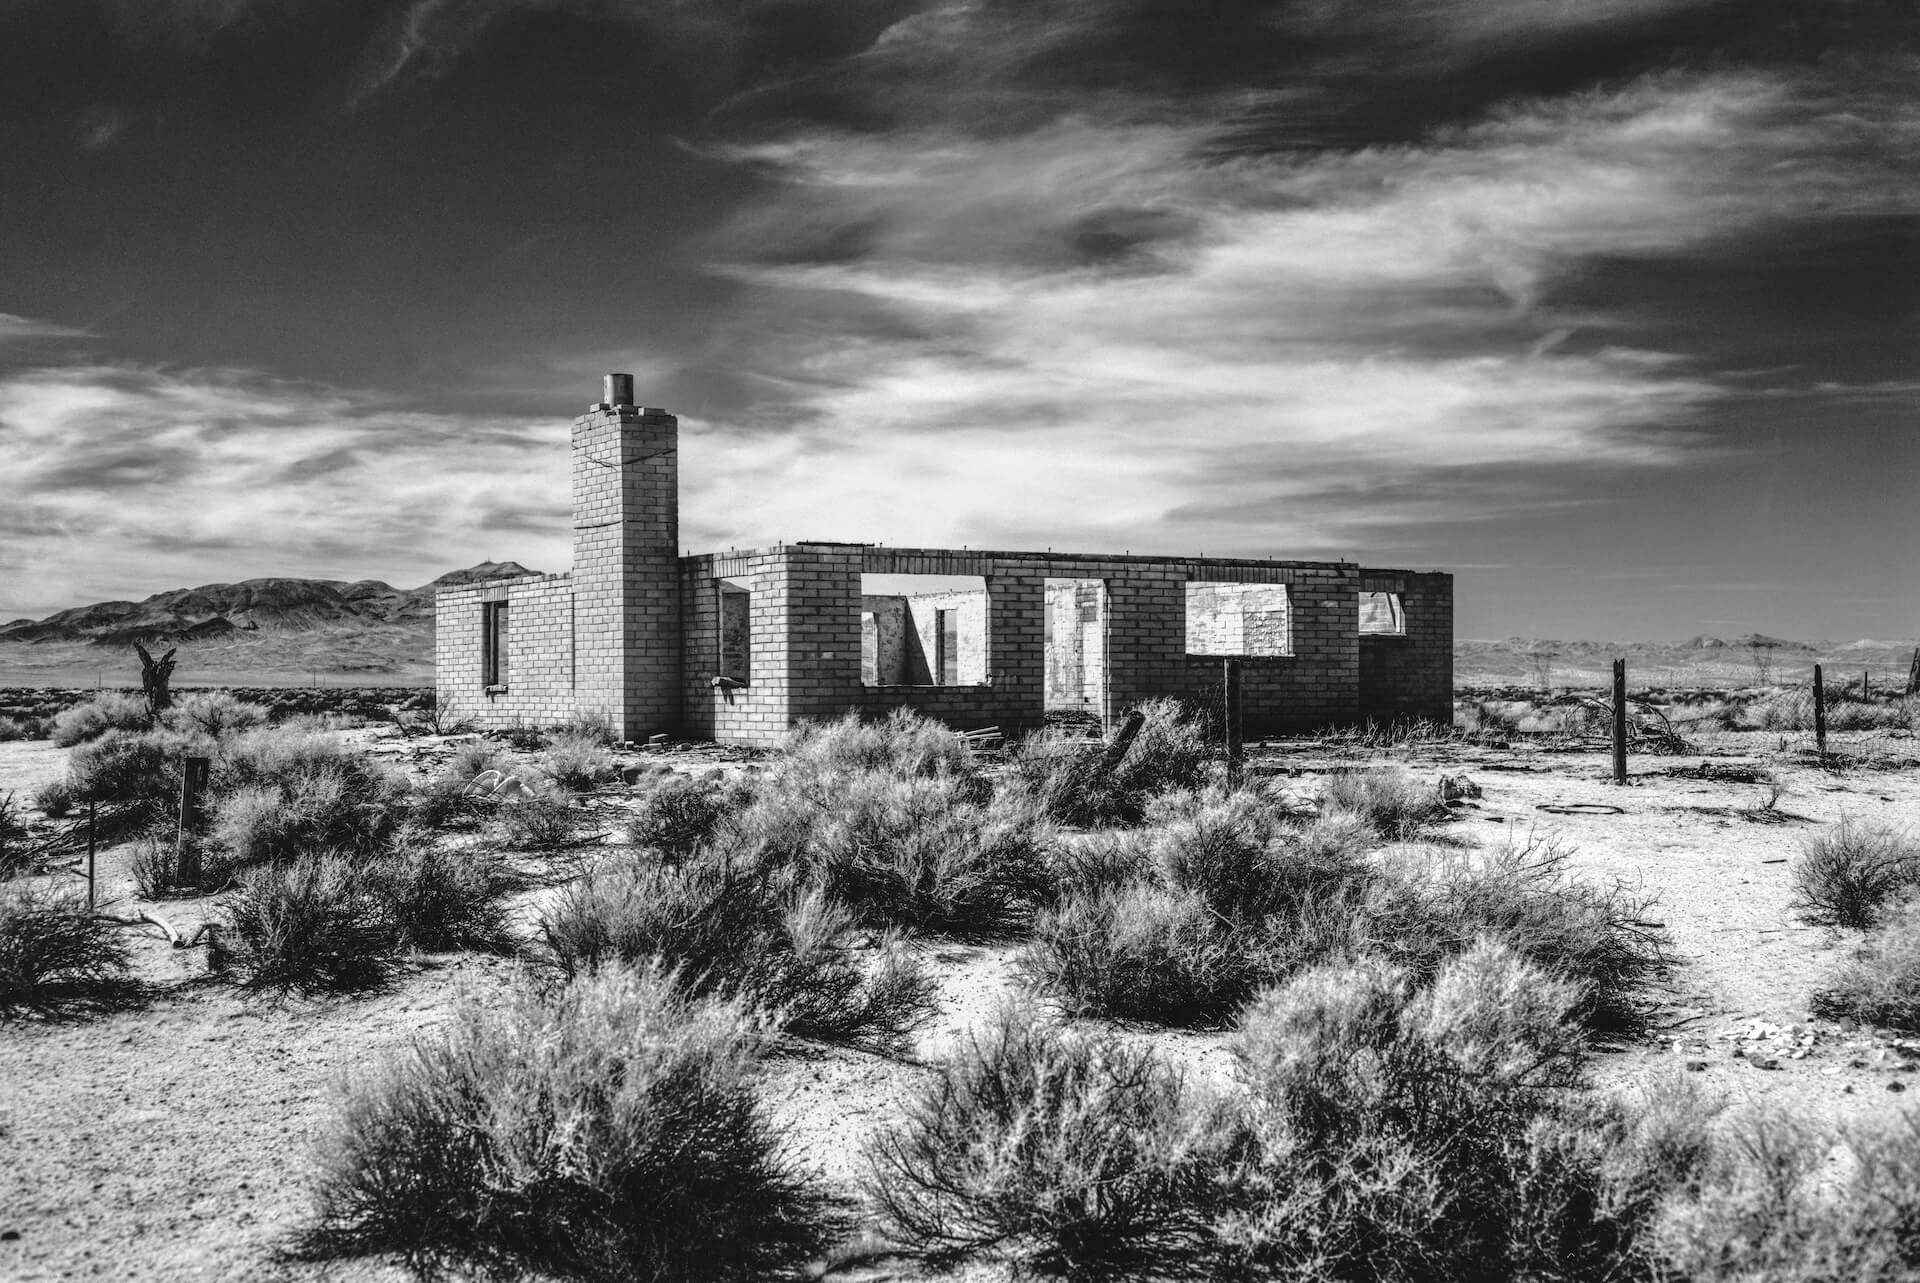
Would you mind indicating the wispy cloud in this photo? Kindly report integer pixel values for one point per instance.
(15, 329)
(156, 478)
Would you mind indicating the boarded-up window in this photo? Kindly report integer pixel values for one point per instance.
(736, 630)
(1238, 619)
(493, 643)
(1381, 612)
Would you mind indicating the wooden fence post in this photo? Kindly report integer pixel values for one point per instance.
(1236, 741)
(186, 851)
(1619, 721)
(1819, 711)
(93, 818)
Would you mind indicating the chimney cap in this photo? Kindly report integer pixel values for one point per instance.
(618, 390)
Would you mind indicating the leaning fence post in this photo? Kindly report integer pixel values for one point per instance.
(1819, 712)
(1122, 741)
(1236, 741)
(1619, 721)
(186, 854)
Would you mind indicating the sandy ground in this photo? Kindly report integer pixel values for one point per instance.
(174, 1141)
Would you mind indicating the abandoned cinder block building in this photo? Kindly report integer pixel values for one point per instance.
(741, 646)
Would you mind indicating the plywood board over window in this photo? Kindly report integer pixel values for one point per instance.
(1250, 620)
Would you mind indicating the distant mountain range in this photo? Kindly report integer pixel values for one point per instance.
(215, 611)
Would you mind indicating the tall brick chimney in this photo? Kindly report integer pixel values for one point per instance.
(626, 563)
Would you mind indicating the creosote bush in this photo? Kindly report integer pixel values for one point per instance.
(720, 929)
(543, 822)
(55, 799)
(55, 957)
(213, 713)
(1847, 875)
(278, 792)
(315, 923)
(108, 711)
(902, 745)
(1880, 983)
(1082, 1156)
(606, 1132)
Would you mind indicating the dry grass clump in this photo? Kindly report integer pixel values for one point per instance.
(720, 929)
(20, 728)
(55, 799)
(313, 923)
(108, 711)
(1142, 951)
(1387, 800)
(1082, 1157)
(578, 761)
(610, 1132)
(1847, 875)
(1062, 774)
(55, 957)
(1880, 983)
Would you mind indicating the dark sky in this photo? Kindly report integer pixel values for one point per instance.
(1610, 306)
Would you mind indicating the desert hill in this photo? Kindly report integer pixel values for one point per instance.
(216, 610)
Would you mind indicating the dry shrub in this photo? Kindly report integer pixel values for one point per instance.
(1767, 1206)
(473, 758)
(13, 729)
(1880, 983)
(1142, 952)
(1062, 774)
(213, 713)
(314, 923)
(440, 900)
(108, 711)
(902, 745)
(1409, 1132)
(278, 792)
(55, 957)
(609, 1132)
(16, 853)
(918, 852)
(1388, 801)
(1591, 933)
(578, 761)
(125, 766)
(680, 813)
(1085, 1157)
(1847, 875)
(445, 802)
(543, 822)
(55, 799)
(722, 930)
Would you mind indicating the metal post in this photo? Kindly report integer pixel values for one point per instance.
(1619, 721)
(1819, 711)
(93, 815)
(1231, 713)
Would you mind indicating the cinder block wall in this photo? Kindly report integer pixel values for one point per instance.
(1410, 677)
(626, 571)
(758, 712)
(539, 677)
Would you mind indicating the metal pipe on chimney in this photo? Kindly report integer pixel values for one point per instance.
(619, 390)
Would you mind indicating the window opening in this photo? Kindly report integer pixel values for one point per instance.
(735, 660)
(923, 630)
(493, 643)
(1382, 612)
(1074, 642)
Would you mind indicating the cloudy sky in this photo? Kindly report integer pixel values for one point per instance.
(1610, 306)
